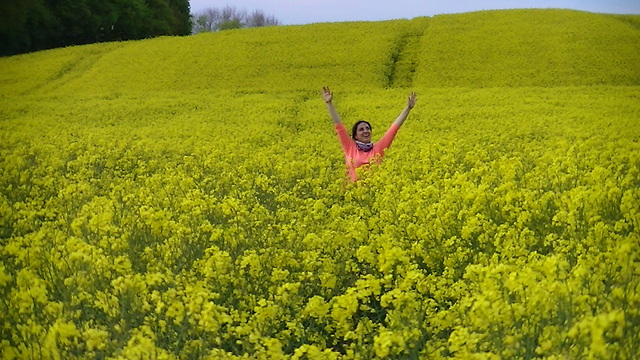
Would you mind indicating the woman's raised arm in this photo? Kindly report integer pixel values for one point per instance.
(327, 95)
(411, 102)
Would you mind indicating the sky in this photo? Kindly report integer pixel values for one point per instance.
(298, 12)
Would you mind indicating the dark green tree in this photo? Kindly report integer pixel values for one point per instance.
(31, 25)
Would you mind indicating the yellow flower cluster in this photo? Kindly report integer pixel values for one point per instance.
(139, 226)
(138, 222)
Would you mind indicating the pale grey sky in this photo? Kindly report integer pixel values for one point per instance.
(293, 12)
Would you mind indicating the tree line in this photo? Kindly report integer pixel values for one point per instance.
(32, 25)
(230, 17)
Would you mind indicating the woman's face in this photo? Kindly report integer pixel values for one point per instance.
(363, 133)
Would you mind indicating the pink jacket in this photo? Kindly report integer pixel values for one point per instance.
(355, 158)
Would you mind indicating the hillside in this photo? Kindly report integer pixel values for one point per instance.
(185, 197)
(483, 49)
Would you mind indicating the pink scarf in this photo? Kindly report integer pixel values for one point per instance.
(366, 147)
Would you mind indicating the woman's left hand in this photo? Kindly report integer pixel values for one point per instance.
(412, 100)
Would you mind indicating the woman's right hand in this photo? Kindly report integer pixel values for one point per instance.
(327, 95)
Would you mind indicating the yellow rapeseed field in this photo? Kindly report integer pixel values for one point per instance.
(185, 198)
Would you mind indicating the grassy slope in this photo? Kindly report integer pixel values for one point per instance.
(529, 48)
(483, 49)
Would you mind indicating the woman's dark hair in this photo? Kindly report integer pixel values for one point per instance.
(354, 129)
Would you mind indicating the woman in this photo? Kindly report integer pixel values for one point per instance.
(359, 150)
